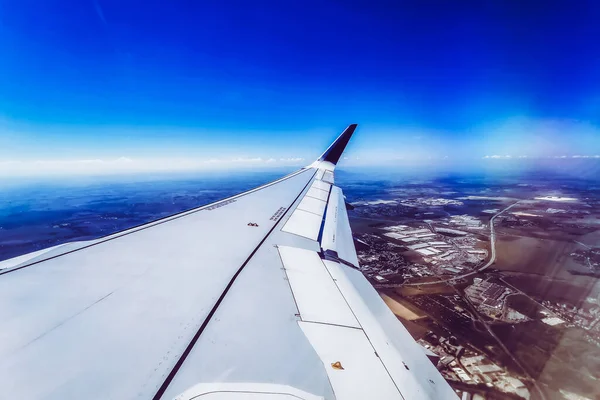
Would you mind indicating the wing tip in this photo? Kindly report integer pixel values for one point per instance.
(334, 152)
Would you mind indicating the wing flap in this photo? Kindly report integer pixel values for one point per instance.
(318, 193)
(313, 205)
(316, 295)
(318, 184)
(337, 236)
(409, 367)
(354, 370)
(304, 223)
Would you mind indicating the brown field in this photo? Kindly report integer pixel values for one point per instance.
(591, 239)
(540, 268)
(573, 367)
(427, 289)
(573, 291)
(399, 308)
(545, 257)
(415, 329)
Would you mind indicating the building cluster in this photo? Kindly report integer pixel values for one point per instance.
(589, 258)
(451, 232)
(376, 209)
(453, 247)
(460, 364)
(460, 225)
(491, 211)
(430, 201)
(419, 240)
(444, 255)
(586, 317)
(488, 297)
(466, 221)
(555, 211)
(573, 211)
(533, 214)
(379, 259)
(513, 221)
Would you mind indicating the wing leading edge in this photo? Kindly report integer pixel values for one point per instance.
(205, 305)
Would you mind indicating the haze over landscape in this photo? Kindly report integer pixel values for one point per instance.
(112, 87)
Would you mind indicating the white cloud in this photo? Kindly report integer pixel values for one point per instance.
(124, 165)
(555, 157)
(247, 160)
(291, 159)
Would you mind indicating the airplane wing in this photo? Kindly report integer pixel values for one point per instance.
(256, 296)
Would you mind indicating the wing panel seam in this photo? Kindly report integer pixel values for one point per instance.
(364, 331)
(190, 346)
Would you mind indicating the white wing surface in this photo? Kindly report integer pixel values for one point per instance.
(256, 296)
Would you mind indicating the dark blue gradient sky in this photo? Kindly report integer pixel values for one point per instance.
(277, 79)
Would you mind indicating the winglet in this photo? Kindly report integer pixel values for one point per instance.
(334, 152)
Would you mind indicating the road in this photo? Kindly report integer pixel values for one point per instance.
(501, 344)
(486, 265)
(584, 245)
(493, 237)
(472, 307)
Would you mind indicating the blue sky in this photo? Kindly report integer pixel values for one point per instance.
(124, 81)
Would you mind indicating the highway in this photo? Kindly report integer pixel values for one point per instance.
(486, 265)
(473, 309)
(493, 238)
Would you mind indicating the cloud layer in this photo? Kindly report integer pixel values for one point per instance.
(509, 157)
(124, 165)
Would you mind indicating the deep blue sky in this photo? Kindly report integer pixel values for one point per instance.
(100, 79)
